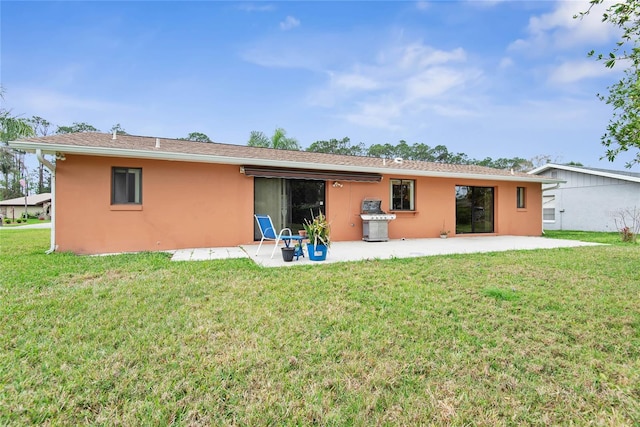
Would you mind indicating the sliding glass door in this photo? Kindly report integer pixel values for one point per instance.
(288, 201)
(474, 209)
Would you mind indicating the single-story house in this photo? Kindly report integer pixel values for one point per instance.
(36, 204)
(146, 193)
(589, 199)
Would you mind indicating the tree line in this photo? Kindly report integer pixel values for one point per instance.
(15, 172)
(416, 151)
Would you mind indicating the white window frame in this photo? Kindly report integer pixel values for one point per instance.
(409, 190)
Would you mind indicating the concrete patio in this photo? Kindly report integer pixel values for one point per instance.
(360, 250)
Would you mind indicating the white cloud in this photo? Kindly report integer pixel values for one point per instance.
(506, 62)
(398, 84)
(354, 81)
(62, 108)
(250, 7)
(419, 55)
(422, 5)
(559, 29)
(485, 3)
(275, 52)
(379, 114)
(385, 87)
(450, 110)
(289, 23)
(43, 100)
(573, 71)
(433, 82)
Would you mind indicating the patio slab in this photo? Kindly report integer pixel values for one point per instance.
(208, 254)
(402, 248)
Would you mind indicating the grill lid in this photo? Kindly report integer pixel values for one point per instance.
(372, 206)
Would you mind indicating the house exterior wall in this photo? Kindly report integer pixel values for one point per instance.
(588, 202)
(435, 206)
(219, 207)
(183, 205)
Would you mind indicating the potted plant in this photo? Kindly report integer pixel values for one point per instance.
(288, 253)
(318, 233)
(444, 232)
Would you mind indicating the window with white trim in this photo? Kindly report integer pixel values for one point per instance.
(402, 194)
(549, 208)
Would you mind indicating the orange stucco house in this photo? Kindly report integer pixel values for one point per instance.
(121, 193)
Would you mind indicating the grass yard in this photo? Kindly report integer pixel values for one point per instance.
(610, 238)
(548, 337)
(30, 221)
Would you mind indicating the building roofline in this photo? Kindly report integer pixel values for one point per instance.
(32, 200)
(602, 173)
(388, 169)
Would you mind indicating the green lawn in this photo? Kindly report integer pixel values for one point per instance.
(549, 337)
(611, 238)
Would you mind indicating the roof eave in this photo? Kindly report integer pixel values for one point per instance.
(585, 171)
(49, 148)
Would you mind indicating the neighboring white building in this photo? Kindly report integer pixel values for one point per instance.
(35, 204)
(589, 199)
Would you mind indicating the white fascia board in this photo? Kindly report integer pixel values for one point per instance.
(208, 158)
(541, 169)
(585, 171)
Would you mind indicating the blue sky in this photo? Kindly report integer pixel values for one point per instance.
(486, 78)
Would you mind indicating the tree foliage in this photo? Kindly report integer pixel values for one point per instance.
(420, 152)
(119, 130)
(279, 140)
(76, 127)
(623, 131)
(12, 163)
(335, 146)
(42, 177)
(197, 137)
(441, 154)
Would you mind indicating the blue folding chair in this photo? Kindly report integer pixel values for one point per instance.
(269, 233)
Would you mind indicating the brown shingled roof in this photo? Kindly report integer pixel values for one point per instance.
(103, 144)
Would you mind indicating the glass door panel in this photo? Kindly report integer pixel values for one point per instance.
(306, 196)
(287, 201)
(474, 209)
(268, 199)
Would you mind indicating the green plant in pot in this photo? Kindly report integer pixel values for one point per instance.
(318, 232)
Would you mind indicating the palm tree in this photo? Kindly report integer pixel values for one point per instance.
(10, 162)
(279, 140)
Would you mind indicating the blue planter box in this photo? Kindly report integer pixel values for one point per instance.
(317, 252)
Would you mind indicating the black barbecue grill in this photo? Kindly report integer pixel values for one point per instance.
(375, 222)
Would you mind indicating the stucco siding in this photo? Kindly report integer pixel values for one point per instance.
(589, 203)
(183, 205)
(187, 205)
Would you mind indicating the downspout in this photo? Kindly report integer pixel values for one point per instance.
(551, 188)
(52, 169)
